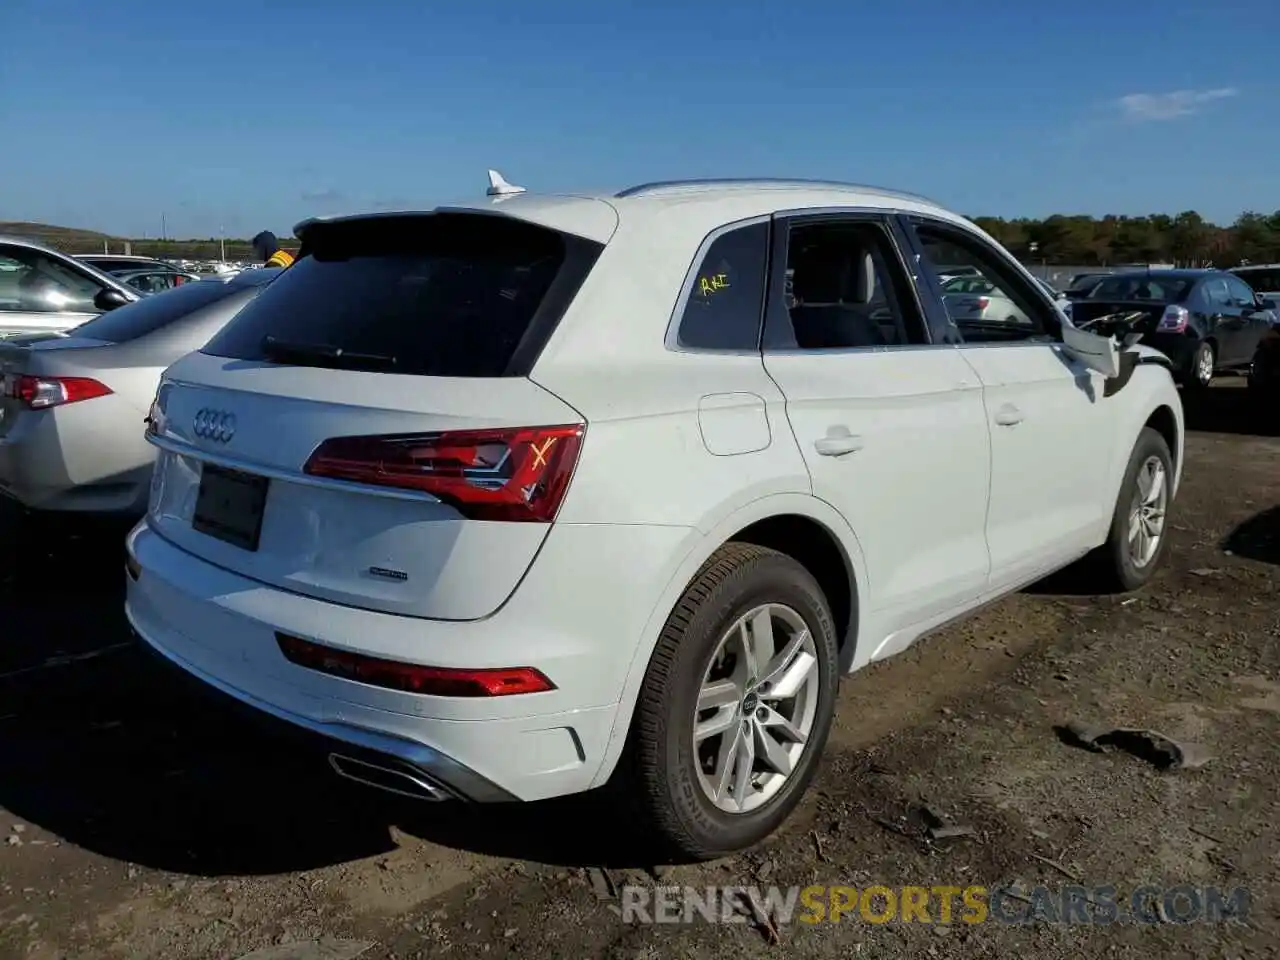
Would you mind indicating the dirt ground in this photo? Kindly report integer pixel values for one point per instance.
(138, 823)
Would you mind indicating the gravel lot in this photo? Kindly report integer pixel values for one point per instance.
(137, 821)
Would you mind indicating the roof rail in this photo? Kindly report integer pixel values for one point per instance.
(660, 187)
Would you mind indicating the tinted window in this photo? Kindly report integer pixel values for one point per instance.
(151, 313)
(843, 289)
(450, 295)
(1261, 279)
(1002, 306)
(34, 282)
(1141, 286)
(725, 301)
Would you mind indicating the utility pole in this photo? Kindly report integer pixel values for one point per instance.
(164, 228)
(222, 244)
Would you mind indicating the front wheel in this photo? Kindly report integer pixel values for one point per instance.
(1138, 534)
(736, 705)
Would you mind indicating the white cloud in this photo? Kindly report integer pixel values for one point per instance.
(1169, 106)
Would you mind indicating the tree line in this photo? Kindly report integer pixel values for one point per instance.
(1185, 239)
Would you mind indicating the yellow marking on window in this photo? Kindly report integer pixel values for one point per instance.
(709, 285)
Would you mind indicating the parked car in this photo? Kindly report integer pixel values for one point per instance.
(464, 498)
(155, 281)
(44, 290)
(1205, 321)
(114, 263)
(72, 405)
(1264, 278)
(974, 297)
(1264, 376)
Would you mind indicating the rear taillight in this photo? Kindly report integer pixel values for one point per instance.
(1174, 320)
(515, 474)
(983, 303)
(410, 677)
(39, 393)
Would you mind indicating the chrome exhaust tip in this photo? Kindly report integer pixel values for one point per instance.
(405, 781)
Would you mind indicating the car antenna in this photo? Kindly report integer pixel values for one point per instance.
(498, 186)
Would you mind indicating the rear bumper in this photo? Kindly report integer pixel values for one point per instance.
(1180, 348)
(440, 777)
(577, 617)
(81, 457)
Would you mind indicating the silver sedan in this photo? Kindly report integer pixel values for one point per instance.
(44, 290)
(72, 405)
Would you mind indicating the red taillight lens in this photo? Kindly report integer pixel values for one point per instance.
(412, 678)
(1174, 320)
(39, 393)
(519, 474)
(983, 303)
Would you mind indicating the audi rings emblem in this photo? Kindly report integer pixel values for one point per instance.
(216, 425)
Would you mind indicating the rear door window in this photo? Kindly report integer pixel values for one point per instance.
(446, 295)
(149, 314)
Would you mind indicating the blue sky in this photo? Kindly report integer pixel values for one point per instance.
(222, 113)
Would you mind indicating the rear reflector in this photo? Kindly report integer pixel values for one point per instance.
(514, 474)
(39, 393)
(412, 678)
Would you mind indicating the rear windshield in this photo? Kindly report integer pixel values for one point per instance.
(448, 295)
(151, 313)
(1143, 287)
(1262, 279)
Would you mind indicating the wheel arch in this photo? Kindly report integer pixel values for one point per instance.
(788, 522)
(1159, 407)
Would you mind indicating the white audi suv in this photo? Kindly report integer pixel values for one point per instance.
(536, 494)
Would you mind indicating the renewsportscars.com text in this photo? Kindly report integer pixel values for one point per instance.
(937, 904)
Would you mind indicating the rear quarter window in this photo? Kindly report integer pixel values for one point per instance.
(447, 295)
(726, 297)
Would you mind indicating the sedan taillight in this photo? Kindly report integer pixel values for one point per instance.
(1174, 320)
(40, 393)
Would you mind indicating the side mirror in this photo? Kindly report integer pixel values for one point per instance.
(109, 299)
(1267, 304)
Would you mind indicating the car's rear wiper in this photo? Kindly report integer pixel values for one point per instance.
(327, 354)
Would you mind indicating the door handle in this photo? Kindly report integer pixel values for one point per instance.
(838, 445)
(1008, 415)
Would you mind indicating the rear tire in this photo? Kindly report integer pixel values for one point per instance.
(1123, 563)
(1203, 365)
(702, 794)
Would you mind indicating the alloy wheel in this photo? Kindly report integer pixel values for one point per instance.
(1147, 515)
(756, 708)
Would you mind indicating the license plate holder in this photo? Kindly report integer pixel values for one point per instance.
(230, 505)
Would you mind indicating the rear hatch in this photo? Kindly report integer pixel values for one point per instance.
(365, 431)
